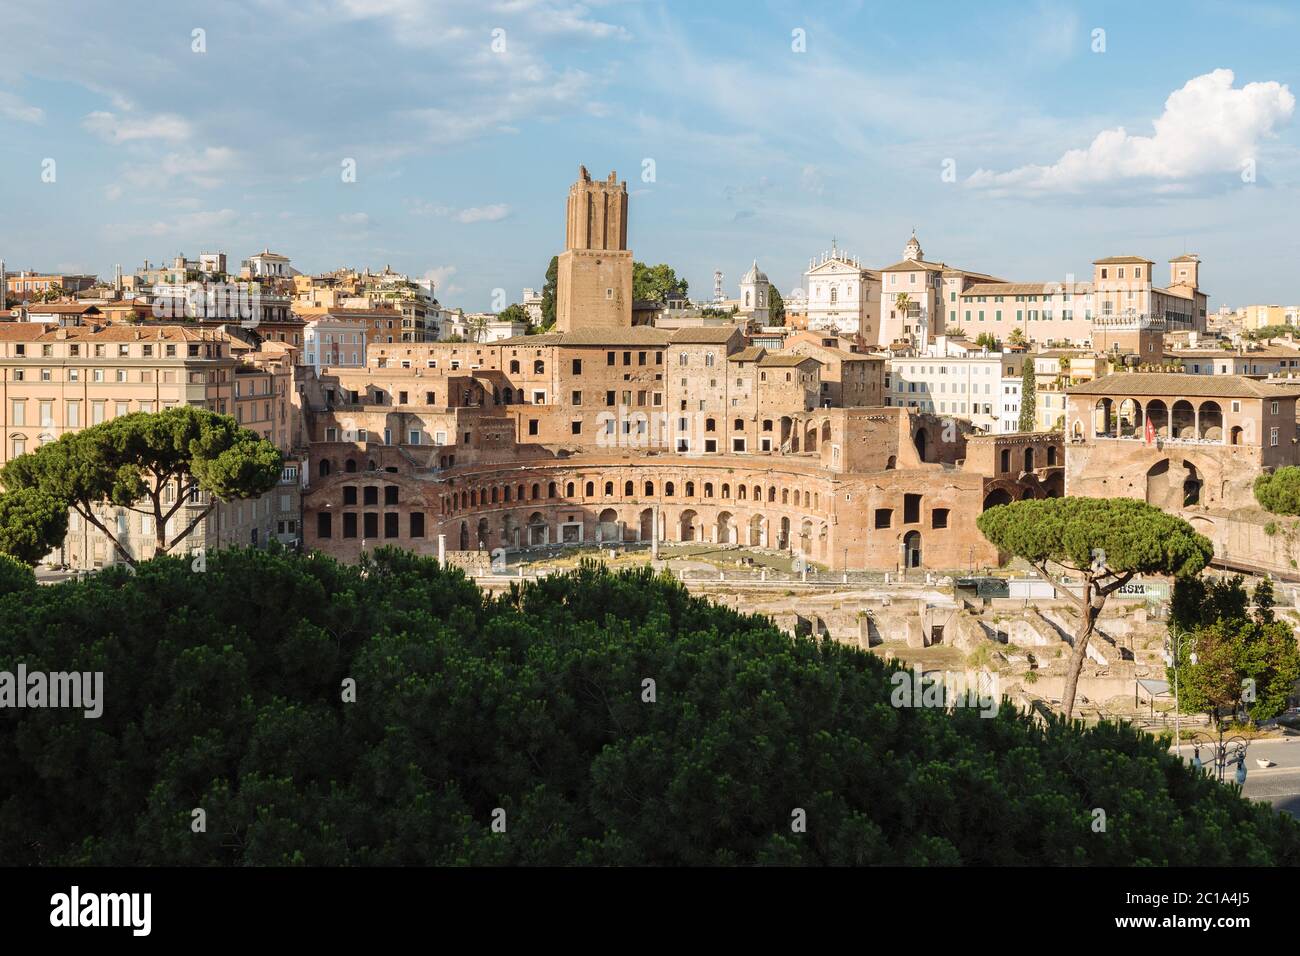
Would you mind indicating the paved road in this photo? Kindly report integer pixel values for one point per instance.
(1279, 784)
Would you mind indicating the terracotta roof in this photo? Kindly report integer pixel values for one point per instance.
(917, 265)
(632, 335)
(751, 354)
(61, 308)
(1120, 259)
(703, 335)
(1179, 384)
(1027, 288)
(789, 361)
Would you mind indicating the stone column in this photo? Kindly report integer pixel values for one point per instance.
(442, 550)
(654, 536)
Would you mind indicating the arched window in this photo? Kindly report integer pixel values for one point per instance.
(628, 489)
(649, 489)
(539, 367)
(785, 496)
(708, 489)
(514, 367)
(494, 496)
(590, 489)
(741, 492)
(709, 425)
(350, 465)
(668, 489)
(536, 490)
(726, 491)
(568, 489)
(609, 489)
(324, 468)
(690, 489)
(738, 425)
(551, 490)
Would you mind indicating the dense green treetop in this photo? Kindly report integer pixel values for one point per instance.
(1279, 491)
(222, 690)
(1123, 534)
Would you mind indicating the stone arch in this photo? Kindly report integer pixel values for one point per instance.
(758, 531)
(1182, 420)
(1210, 421)
(323, 469)
(1103, 422)
(607, 528)
(649, 489)
(919, 440)
(1235, 436)
(995, 497)
(482, 533)
(629, 489)
(1157, 413)
(686, 526)
(726, 531)
(1029, 458)
(464, 536)
(1129, 418)
(646, 524)
(783, 539)
(350, 465)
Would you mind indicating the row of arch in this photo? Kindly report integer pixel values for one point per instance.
(578, 491)
(810, 534)
(1128, 418)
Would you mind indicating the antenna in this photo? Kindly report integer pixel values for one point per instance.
(718, 295)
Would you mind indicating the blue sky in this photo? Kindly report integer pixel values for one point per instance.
(464, 154)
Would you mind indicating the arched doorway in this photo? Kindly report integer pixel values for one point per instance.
(537, 530)
(481, 541)
(464, 536)
(646, 524)
(686, 526)
(607, 529)
(783, 539)
(912, 549)
(726, 528)
(757, 532)
(919, 440)
(1234, 437)
(1029, 458)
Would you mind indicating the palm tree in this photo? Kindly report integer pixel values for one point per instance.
(476, 325)
(1017, 337)
(902, 303)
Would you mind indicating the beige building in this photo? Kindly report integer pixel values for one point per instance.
(55, 380)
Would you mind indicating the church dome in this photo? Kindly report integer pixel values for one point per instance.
(754, 275)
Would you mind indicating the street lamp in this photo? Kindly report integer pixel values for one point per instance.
(1222, 753)
(1173, 648)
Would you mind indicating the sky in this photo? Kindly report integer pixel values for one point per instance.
(1022, 140)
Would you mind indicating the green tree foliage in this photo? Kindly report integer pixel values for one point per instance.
(1028, 396)
(1102, 541)
(222, 691)
(1244, 662)
(15, 575)
(987, 340)
(515, 313)
(1271, 332)
(139, 461)
(548, 293)
(32, 524)
(775, 306)
(656, 283)
(1279, 491)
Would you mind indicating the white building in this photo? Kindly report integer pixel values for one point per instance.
(481, 327)
(335, 343)
(1009, 417)
(841, 295)
(949, 378)
(268, 265)
(533, 305)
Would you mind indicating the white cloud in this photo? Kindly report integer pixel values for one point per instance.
(13, 108)
(441, 276)
(189, 225)
(489, 213)
(115, 128)
(1208, 128)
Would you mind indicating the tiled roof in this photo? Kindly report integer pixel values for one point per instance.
(703, 335)
(1120, 260)
(633, 335)
(1027, 288)
(788, 361)
(1179, 384)
(751, 354)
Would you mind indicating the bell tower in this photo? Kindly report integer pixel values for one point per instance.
(594, 282)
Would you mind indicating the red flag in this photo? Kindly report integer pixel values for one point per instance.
(1150, 432)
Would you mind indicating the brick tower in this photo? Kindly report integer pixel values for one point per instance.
(594, 285)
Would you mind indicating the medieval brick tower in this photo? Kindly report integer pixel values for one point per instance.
(594, 285)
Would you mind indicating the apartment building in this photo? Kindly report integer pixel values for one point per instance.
(56, 379)
(949, 379)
